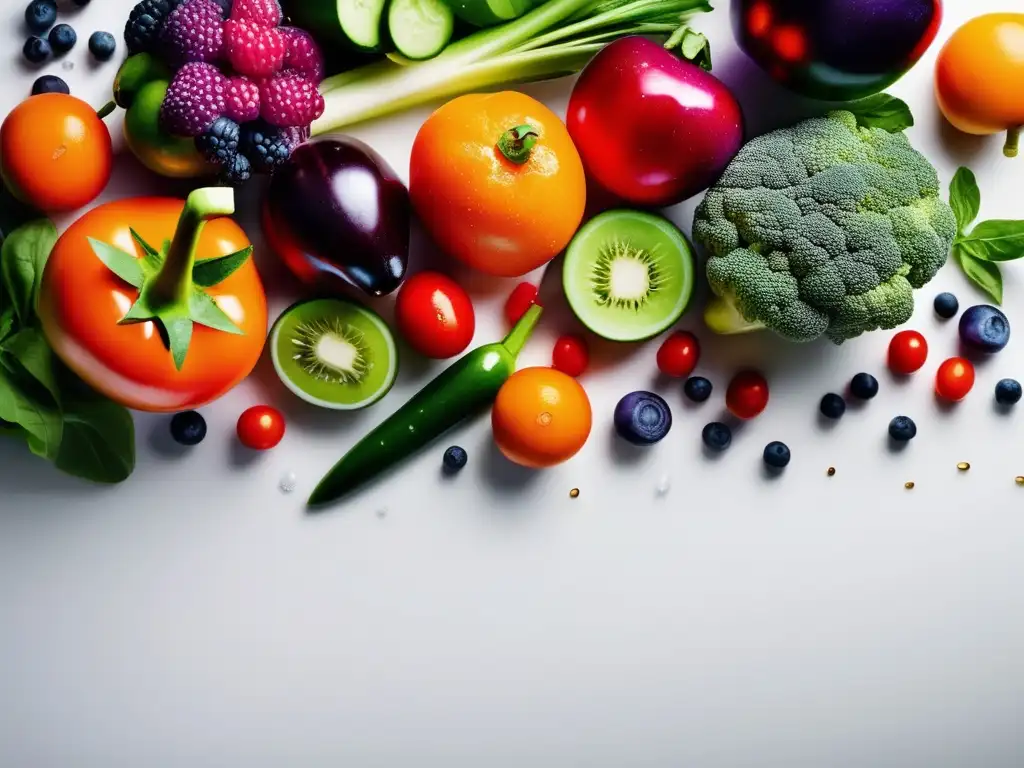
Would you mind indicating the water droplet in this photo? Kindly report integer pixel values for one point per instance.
(68, 66)
(288, 482)
(382, 513)
(664, 483)
(831, 471)
(909, 485)
(574, 493)
(963, 466)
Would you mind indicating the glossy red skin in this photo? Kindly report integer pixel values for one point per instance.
(435, 315)
(652, 128)
(747, 395)
(954, 379)
(679, 354)
(260, 427)
(570, 355)
(908, 351)
(522, 296)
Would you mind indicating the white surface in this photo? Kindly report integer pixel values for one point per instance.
(195, 616)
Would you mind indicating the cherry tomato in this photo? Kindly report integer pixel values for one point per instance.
(678, 354)
(954, 378)
(522, 296)
(260, 427)
(747, 394)
(570, 355)
(907, 352)
(435, 315)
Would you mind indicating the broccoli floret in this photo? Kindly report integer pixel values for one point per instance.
(824, 228)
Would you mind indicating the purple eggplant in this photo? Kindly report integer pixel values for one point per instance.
(338, 215)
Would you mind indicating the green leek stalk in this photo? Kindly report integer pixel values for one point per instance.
(553, 40)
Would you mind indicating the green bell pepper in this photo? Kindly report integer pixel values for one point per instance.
(461, 391)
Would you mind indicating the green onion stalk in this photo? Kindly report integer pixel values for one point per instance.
(553, 40)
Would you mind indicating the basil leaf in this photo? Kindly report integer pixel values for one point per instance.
(22, 258)
(882, 111)
(964, 198)
(41, 420)
(210, 272)
(34, 356)
(984, 274)
(99, 439)
(996, 240)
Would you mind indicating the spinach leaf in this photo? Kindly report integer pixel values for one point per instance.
(99, 439)
(32, 409)
(882, 111)
(22, 257)
(964, 198)
(33, 355)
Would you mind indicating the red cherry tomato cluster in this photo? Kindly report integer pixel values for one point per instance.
(570, 355)
(522, 296)
(435, 315)
(260, 427)
(954, 378)
(679, 354)
(908, 351)
(747, 394)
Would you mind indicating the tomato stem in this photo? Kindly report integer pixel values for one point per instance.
(106, 109)
(515, 143)
(1012, 140)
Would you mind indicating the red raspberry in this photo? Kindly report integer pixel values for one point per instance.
(289, 99)
(242, 101)
(253, 50)
(194, 99)
(193, 31)
(266, 13)
(302, 53)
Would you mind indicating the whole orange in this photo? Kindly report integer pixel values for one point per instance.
(541, 417)
(503, 216)
(55, 152)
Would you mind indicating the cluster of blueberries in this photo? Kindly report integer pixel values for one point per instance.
(40, 18)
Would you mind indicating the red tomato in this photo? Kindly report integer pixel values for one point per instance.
(570, 355)
(747, 394)
(522, 296)
(679, 354)
(907, 352)
(954, 378)
(434, 314)
(260, 427)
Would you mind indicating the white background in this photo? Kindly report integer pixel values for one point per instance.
(196, 616)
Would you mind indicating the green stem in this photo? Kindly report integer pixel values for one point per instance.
(1012, 141)
(515, 143)
(173, 283)
(106, 109)
(520, 333)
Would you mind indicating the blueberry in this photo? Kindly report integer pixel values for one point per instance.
(946, 305)
(40, 15)
(776, 454)
(864, 386)
(188, 428)
(62, 38)
(49, 84)
(832, 406)
(102, 45)
(984, 328)
(455, 458)
(1008, 392)
(36, 50)
(697, 388)
(902, 428)
(716, 436)
(642, 418)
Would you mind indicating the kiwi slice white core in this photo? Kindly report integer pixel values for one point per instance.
(332, 352)
(625, 276)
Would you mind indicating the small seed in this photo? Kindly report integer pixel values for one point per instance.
(574, 493)
(963, 466)
(831, 471)
(909, 485)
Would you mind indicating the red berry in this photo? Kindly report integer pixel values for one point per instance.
(194, 31)
(253, 50)
(522, 296)
(266, 13)
(288, 99)
(678, 354)
(747, 394)
(260, 427)
(194, 99)
(242, 100)
(908, 351)
(954, 378)
(302, 54)
(570, 355)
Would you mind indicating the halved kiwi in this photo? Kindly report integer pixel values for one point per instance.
(334, 353)
(628, 275)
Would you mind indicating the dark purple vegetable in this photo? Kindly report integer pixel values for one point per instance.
(642, 418)
(338, 215)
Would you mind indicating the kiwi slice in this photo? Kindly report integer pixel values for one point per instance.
(334, 353)
(628, 275)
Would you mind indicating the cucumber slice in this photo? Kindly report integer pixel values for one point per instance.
(334, 353)
(628, 275)
(358, 22)
(487, 13)
(420, 29)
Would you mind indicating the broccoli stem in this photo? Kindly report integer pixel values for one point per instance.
(722, 317)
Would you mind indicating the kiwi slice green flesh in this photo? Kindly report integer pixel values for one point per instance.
(628, 275)
(334, 353)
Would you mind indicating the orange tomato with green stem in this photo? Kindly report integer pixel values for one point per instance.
(978, 77)
(497, 182)
(154, 301)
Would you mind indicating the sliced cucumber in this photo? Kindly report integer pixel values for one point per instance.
(358, 22)
(420, 29)
(487, 13)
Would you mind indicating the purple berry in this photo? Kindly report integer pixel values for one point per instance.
(194, 31)
(243, 100)
(195, 98)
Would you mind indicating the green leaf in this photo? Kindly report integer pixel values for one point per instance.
(210, 272)
(6, 322)
(139, 312)
(984, 274)
(693, 46)
(964, 198)
(22, 259)
(122, 264)
(996, 240)
(205, 311)
(29, 348)
(99, 440)
(40, 420)
(178, 332)
(882, 111)
(150, 255)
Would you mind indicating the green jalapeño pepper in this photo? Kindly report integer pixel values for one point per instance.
(464, 389)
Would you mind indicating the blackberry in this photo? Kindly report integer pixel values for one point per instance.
(219, 143)
(266, 147)
(142, 30)
(237, 171)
